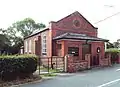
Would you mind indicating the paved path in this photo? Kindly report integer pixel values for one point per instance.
(106, 77)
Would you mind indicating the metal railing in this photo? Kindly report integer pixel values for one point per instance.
(51, 63)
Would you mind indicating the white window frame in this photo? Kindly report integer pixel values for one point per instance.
(44, 45)
(30, 45)
(26, 46)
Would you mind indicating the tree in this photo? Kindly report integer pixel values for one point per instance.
(116, 44)
(19, 30)
(27, 26)
(4, 43)
(110, 45)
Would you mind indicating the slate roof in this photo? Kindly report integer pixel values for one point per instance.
(36, 32)
(78, 37)
(41, 30)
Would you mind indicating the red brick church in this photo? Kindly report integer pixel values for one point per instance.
(73, 35)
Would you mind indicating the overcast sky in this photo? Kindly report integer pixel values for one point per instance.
(53, 10)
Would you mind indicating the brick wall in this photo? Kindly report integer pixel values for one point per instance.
(106, 61)
(36, 43)
(74, 66)
(34, 40)
(95, 45)
(67, 25)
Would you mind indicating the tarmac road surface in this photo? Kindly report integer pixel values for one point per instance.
(103, 77)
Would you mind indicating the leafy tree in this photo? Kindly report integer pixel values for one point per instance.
(110, 45)
(27, 26)
(14, 35)
(4, 43)
(113, 45)
(116, 44)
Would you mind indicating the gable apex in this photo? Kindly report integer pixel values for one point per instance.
(76, 13)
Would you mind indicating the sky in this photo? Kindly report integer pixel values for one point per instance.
(44, 11)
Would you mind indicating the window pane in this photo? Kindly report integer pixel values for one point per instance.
(44, 50)
(73, 50)
(26, 46)
(44, 46)
(44, 41)
(44, 37)
(44, 53)
(30, 45)
(59, 46)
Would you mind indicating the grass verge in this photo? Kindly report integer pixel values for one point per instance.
(50, 70)
(48, 75)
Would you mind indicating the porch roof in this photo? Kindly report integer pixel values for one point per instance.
(78, 37)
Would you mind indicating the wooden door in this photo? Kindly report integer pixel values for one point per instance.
(95, 60)
(86, 49)
(38, 46)
(59, 49)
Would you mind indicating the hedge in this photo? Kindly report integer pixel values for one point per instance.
(17, 66)
(114, 54)
(112, 50)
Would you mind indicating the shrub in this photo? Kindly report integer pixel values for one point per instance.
(12, 67)
(114, 54)
(112, 50)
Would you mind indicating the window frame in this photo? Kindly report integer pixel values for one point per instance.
(44, 45)
(26, 46)
(73, 50)
(30, 46)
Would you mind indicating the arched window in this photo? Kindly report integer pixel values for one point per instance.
(26, 46)
(44, 45)
(30, 43)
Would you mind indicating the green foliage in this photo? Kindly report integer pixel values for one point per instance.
(110, 45)
(4, 42)
(12, 67)
(116, 44)
(14, 34)
(48, 75)
(114, 54)
(113, 50)
(27, 26)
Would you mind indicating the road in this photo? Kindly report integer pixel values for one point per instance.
(103, 77)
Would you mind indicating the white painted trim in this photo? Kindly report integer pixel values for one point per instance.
(108, 83)
(26, 46)
(43, 48)
(30, 45)
(105, 45)
(21, 51)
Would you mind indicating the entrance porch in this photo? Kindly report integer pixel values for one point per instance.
(78, 47)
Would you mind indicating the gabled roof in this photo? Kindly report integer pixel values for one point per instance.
(37, 32)
(78, 37)
(41, 30)
(76, 12)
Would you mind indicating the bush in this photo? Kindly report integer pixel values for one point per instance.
(114, 54)
(112, 50)
(12, 67)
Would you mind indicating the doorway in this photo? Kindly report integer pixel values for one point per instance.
(95, 60)
(86, 49)
(59, 49)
